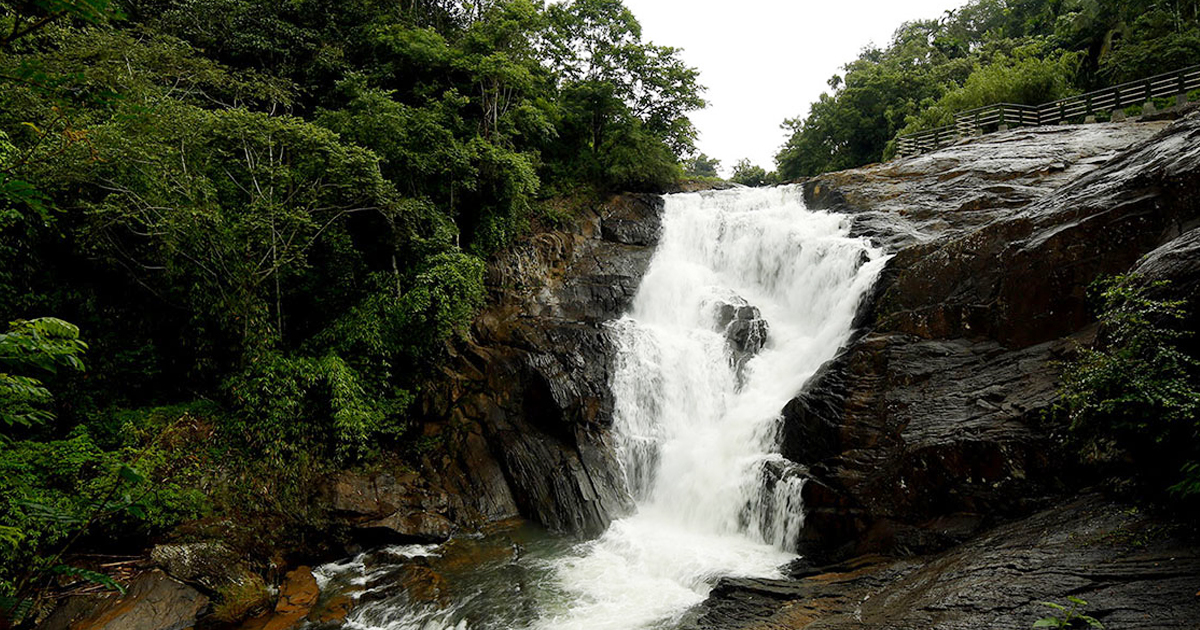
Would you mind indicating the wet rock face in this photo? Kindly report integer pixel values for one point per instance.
(929, 427)
(525, 406)
(898, 431)
(962, 188)
(392, 508)
(1136, 570)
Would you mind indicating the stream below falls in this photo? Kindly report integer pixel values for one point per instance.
(747, 295)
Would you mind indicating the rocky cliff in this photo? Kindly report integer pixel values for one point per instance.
(929, 428)
(524, 407)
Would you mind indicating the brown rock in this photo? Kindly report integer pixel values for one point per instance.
(297, 597)
(153, 601)
(401, 507)
(335, 610)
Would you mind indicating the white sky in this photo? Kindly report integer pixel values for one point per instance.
(766, 60)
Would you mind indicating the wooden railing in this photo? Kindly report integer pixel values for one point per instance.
(1111, 102)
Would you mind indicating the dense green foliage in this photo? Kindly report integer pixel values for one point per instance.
(747, 173)
(1135, 395)
(702, 166)
(988, 51)
(267, 219)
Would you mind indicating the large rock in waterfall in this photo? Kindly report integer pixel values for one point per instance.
(936, 409)
(744, 329)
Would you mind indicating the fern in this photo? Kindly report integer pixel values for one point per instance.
(11, 536)
(15, 608)
(89, 576)
(1068, 617)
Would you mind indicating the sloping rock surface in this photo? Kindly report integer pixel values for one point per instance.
(153, 601)
(929, 431)
(936, 410)
(1132, 568)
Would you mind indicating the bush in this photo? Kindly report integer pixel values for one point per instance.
(1135, 391)
(239, 600)
(288, 405)
(1022, 79)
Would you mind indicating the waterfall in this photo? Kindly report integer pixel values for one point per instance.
(697, 408)
(747, 295)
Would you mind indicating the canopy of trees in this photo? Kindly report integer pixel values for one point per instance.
(1019, 51)
(266, 219)
(747, 173)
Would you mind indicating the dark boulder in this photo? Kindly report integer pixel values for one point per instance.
(526, 401)
(1136, 570)
(744, 329)
(936, 410)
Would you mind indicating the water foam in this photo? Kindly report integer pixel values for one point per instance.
(696, 428)
(699, 447)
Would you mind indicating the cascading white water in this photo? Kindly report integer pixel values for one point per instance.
(697, 417)
(697, 442)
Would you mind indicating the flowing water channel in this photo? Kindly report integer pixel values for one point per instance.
(747, 295)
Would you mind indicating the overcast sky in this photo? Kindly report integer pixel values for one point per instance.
(766, 60)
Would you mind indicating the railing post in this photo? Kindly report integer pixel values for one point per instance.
(1118, 112)
(1062, 112)
(1181, 95)
(1149, 109)
(1003, 125)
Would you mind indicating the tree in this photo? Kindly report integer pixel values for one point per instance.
(219, 208)
(615, 85)
(702, 166)
(748, 174)
(24, 19)
(40, 346)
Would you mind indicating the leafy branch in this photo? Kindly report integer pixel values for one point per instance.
(1069, 616)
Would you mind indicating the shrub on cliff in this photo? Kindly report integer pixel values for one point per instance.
(1135, 393)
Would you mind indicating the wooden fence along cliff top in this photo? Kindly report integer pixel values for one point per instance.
(1110, 102)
